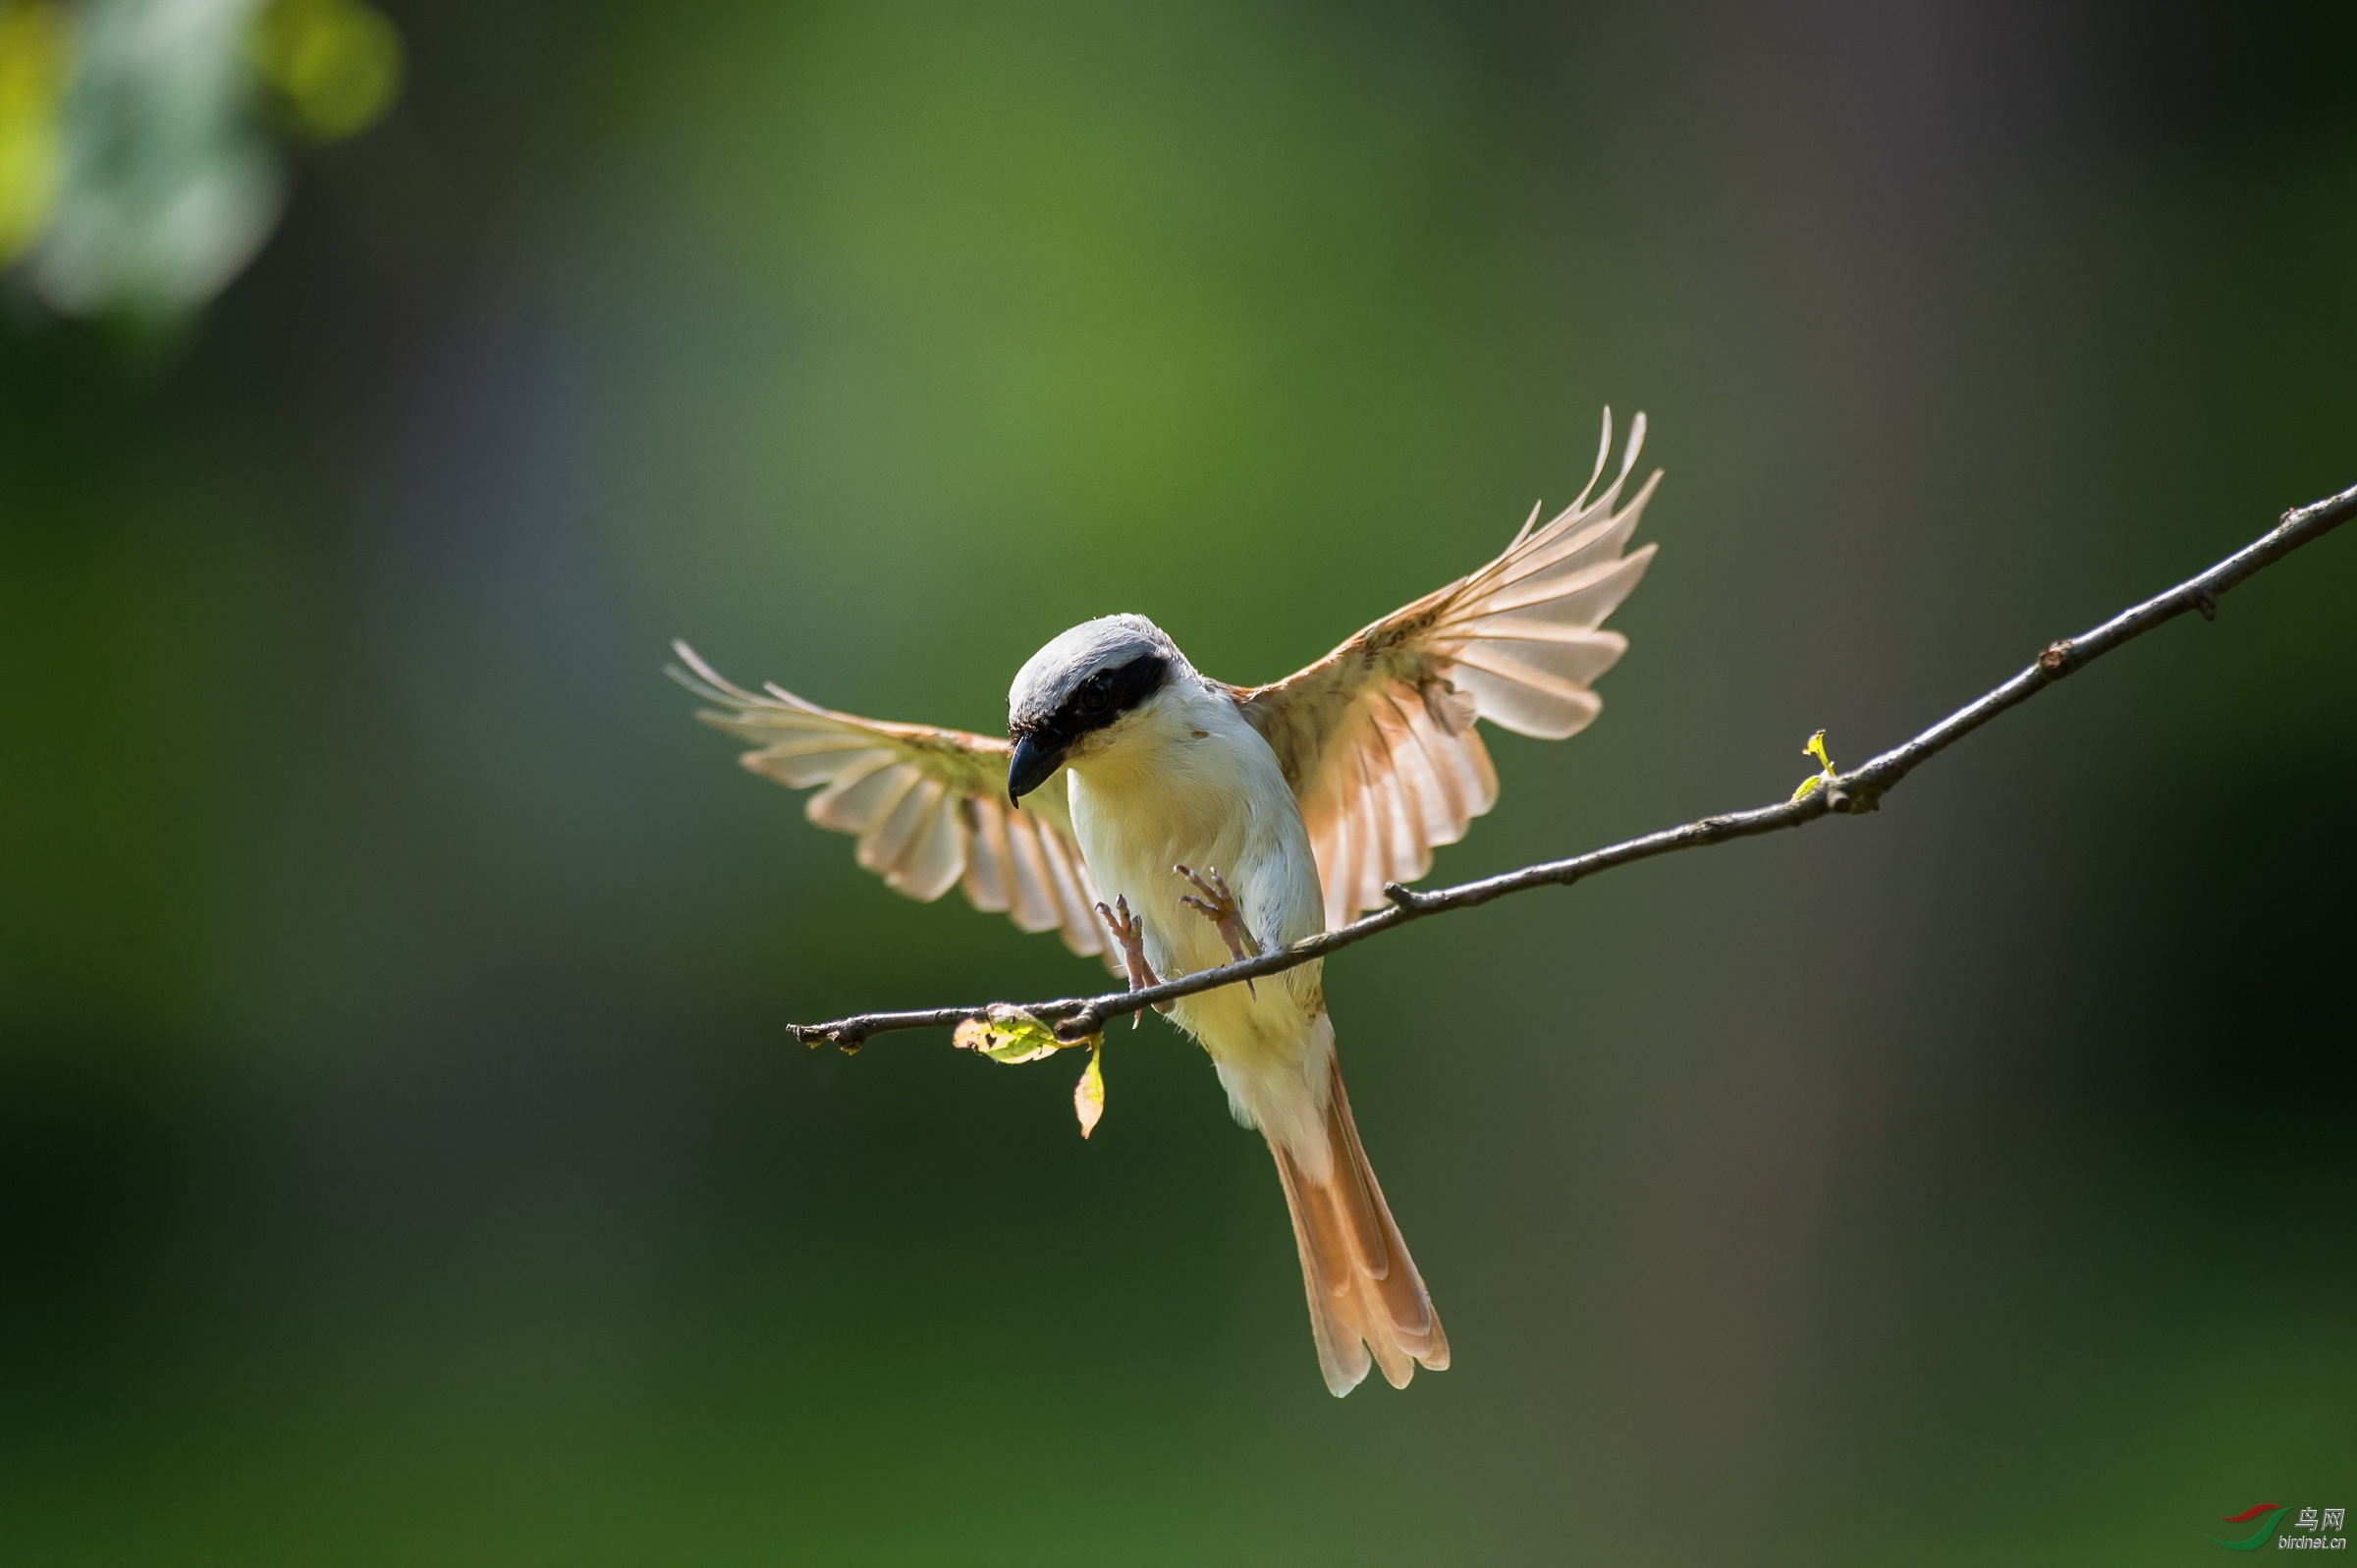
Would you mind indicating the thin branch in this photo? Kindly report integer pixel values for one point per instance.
(1858, 790)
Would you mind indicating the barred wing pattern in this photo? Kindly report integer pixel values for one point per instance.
(929, 806)
(1377, 738)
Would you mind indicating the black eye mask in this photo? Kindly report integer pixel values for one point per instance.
(1039, 748)
(1105, 697)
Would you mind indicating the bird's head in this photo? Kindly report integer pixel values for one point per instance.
(1076, 696)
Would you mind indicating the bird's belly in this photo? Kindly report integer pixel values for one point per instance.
(1223, 805)
(1138, 867)
(1133, 859)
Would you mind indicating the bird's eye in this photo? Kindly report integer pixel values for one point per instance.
(1096, 691)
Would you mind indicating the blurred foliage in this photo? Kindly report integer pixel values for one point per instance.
(133, 166)
(32, 75)
(337, 61)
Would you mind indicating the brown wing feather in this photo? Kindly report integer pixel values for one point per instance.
(928, 806)
(1377, 738)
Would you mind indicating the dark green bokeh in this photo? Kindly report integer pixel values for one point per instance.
(401, 1154)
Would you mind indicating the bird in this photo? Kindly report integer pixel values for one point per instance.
(1168, 823)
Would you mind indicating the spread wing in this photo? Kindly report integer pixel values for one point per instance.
(929, 805)
(1377, 738)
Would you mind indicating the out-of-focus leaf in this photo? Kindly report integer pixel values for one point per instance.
(1088, 1095)
(135, 177)
(338, 62)
(166, 186)
(35, 45)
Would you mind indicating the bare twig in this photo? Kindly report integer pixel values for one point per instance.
(1858, 790)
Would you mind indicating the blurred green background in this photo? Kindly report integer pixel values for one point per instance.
(401, 1160)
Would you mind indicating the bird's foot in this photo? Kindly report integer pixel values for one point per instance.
(1129, 934)
(1219, 906)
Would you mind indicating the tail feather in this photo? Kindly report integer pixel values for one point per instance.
(1364, 1292)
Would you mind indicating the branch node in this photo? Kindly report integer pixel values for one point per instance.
(1853, 797)
(2057, 659)
(2206, 602)
(1405, 897)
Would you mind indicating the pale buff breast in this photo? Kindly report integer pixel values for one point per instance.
(1201, 788)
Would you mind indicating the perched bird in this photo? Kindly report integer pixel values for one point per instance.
(1171, 823)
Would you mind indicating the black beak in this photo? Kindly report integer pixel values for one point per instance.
(1035, 761)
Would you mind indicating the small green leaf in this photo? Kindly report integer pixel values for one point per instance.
(1815, 748)
(1010, 1035)
(1088, 1095)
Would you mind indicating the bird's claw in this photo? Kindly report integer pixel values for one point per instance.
(1219, 906)
(1129, 934)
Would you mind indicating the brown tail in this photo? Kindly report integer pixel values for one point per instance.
(1364, 1291)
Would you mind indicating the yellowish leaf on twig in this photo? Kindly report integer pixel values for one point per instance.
(1009, 1034)
(1088, 1095)
(1013, 1036)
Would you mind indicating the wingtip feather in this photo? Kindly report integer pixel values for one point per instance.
(701, 679)
(1527, 523)
(1603, 452)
